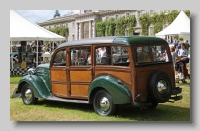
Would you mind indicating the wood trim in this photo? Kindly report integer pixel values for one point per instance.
(59, 89)
(83, 76)
(58, 75)
(79, 90)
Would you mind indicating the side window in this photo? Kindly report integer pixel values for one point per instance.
(143, 54)
(120, 56)
(80, 56)
(114, 55)
(103, 55)
(159, 54)
(60, 58)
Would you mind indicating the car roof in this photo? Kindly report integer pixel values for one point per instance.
(127, 40)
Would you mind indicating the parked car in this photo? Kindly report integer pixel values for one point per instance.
(129, 70)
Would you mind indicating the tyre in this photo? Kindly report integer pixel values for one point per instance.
(153, 105)
(28, 96)
(160, 86)
(103, 103)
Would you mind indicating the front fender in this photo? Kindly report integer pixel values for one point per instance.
(38, 85)
(119, 92)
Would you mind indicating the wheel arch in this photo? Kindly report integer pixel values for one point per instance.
(118, 91)
(36, 84)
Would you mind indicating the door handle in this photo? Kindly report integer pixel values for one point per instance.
(90, 68)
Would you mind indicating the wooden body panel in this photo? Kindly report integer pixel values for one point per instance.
(80, 79)
(59, 82)
(79, 90)
(143, 74)
(58, 75)
(59, 89)
(80, 76)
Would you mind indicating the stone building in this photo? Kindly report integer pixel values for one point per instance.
(82, 25)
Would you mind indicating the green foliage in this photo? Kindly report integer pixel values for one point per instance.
(60, 30)
(100, 28)
(181, 38)
(158, 20)
(171, 16)
(187, 12)
(145, 21)
(109, 27)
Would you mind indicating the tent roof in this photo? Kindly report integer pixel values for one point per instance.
(23, 29)
(181, 25)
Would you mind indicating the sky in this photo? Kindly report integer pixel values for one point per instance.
(42, 15)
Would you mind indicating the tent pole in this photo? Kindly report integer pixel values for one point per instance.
(11, 54)
(37, 54)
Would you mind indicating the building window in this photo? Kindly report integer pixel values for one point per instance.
(151, 12)
(127, 14)
(166, 11)
(126, 32)
(73, 37)
(139, 13)
(73, 24)
(116, 17)
(151, 31)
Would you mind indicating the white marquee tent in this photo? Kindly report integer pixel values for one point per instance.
(22, 29)
(180, 26)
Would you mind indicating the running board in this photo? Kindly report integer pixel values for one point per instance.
(53, 98)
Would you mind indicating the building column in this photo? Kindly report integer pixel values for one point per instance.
(81, 31)
(90, 29)
(94, 28)
(77, 32)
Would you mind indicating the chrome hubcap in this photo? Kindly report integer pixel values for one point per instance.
(162, 86)
(104, 103)
(28, 94)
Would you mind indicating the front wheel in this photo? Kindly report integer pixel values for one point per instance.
(28, 96)
(103, 103)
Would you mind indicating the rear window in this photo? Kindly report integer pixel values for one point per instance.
(151, 54)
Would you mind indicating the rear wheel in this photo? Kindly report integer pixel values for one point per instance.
(103, 103)
(28, 96)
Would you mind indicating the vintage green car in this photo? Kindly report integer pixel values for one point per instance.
(105, 72)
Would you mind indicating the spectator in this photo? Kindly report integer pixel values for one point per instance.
(102, 52)
(183, 52)
(174, 55)
(175, 42)
(187, 45)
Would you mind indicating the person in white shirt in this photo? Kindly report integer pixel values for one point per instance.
(102, 52)
(183, 51)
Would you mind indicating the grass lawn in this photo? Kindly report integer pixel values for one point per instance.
(61, 111)
(15, 79)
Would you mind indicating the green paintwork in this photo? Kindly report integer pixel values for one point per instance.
(40, 81)
(119, 92)
(127, 40)
(139, 40)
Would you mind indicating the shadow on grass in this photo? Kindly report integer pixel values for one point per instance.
(163, 112)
